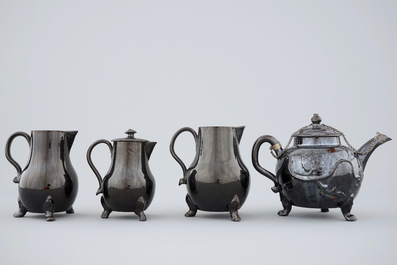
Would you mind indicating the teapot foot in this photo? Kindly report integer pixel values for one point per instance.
(140, 205)
(286, 205)
(325, 210)
(346, 207)
(192, 208)
(21, 211)
(106, 209)
(283, 212)
(49, 209)
(234, 206)
(70, 211)
(350, 217)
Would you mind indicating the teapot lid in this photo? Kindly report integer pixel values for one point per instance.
(317, 130)
(130, 138)
(317, 134)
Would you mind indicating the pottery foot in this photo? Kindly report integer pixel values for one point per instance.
(140, 206)
(21, 211)
(350, 217)
(325, 210)
(286, 205)
(142, 216)
(192, 208)
(346, 208)
(190, 213)
(71, 210)
(283, 212)
(105, 214)
(49, 209)
(234, 206)
(106, 209)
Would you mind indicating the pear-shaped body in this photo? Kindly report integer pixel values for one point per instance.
(129, 185)
(217, 180)
(49, 182)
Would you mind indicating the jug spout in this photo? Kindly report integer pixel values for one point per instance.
(149, 148)
(365, 151)
(239, 132)
(70, 135)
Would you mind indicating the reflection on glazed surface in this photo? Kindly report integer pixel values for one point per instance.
(317, 172)
(129, 184)
(217, 180)
(129, 178)
(49, 182)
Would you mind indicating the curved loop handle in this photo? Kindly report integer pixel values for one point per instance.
(89, 151)
(175, 156)
(8, 152)
(275, 145)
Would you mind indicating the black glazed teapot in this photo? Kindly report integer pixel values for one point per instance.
(129, 184)
(317, 171)
(49, 182)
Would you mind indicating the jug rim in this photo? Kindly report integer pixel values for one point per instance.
(220, 127)
(53, 131)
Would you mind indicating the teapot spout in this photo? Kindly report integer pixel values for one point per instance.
(239, 132)
(365, 151)
(70, 135)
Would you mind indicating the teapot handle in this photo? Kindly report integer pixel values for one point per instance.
(175, 156)
(8, 153)
(275, 145)
(89, 151)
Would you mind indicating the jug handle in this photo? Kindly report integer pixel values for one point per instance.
(89, 160)
(275, 145)
(175, 156)
(8, 153)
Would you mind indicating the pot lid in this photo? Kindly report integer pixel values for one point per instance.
(317, 135)
(317, 130)
(130, 138)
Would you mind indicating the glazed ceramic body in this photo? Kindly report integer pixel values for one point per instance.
(319, 178)
(317, 171)
(49, 182)
(217, 180)
(129, 185)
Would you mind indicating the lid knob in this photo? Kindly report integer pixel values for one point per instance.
(316, 119)
(130, 134)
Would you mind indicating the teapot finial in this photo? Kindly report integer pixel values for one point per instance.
(316, 119)
(130, 134)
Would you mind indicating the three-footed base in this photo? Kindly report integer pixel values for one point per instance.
(138, 210)
(48, 209)
(233, 208)
(345, 207)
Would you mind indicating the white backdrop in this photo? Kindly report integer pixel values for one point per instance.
(102, 67)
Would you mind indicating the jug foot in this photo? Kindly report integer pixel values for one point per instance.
(49, 209)
(346, 207)
(286, 205)
(325, 210)
(21, 211)
(140, 205)
(141, 215)
(106, 209)
(192, 208)
(105, 214)
(234, 206)
(71, 210)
